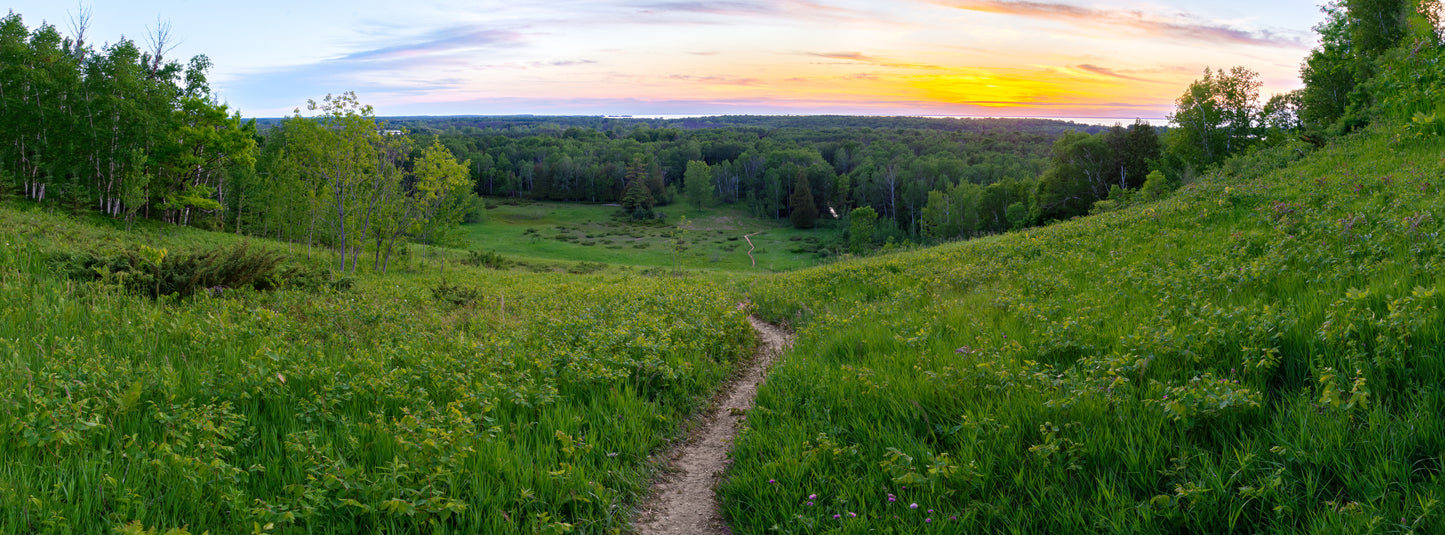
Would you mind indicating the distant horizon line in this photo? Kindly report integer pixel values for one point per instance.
(1090, 120)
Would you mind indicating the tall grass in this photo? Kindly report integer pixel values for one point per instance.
(1260, 353)
(532, 409)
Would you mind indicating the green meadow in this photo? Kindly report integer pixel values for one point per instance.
(713, 238)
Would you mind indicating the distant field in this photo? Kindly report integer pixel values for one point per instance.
(589, 233)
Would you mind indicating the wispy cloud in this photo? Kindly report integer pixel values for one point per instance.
(873, 60)
(563, 63)
(446, 40)
(1178, 26)
(717, 80)
(1111, 73)
(711, 8)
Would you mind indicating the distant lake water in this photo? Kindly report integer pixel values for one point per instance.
(1100, 121)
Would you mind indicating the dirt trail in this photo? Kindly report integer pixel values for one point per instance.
(751, 247)
(683, 502)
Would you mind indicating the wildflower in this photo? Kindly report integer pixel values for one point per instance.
(810, 504)
(953, 517)
(912, 506)
(772, 481)
(928, 521)
(835, 517)
(930, 511)
(812, 496)
(852, 514)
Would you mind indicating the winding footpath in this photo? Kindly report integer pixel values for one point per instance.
(751, 247)
(683, 502)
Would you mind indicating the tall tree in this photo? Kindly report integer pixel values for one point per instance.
(1329, 71)
(698, 181)
(333, 154)
(804, 213)
(1218, 115)
(861, 224)
(637, 200)
(439, 189)
(1376, 26)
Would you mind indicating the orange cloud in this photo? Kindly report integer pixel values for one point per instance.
(1111, 73)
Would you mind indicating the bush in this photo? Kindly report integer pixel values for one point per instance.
(456, 295)
(474, 209)
(151, 272)
(489, 259)
(1407, 89)
(1157, 186)
(584, 268)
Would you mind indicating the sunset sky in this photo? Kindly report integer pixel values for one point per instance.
(1110, 58)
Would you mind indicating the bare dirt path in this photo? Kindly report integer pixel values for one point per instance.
(683, 501)
(751, 247)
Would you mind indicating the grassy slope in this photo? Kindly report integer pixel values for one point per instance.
(1260, 352)
(373, 409)
(714, 236)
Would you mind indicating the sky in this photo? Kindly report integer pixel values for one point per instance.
(1005, 58)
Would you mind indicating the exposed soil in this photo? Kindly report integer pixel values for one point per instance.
(683, 502)
(751, 247)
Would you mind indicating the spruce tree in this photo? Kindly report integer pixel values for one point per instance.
(637, 200)
(805, 213)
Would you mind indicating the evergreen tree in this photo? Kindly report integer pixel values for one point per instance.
(637, 200)
(805, 213)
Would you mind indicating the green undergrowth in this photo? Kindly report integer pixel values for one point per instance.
(532, 405)
(1261, 352)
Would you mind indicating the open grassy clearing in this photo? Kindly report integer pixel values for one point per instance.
(1260, 353)
(496, 402)
(580, 232)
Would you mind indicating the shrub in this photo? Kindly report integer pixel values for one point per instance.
(152, 272)
(489, 259)
(454, 294)
(584, 268)
(1157, 185)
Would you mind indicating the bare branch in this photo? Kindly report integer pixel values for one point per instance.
(79, 22)
(160, 43)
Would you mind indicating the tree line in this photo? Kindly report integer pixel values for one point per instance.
(1376, 59)
(930, 179)
(124, 131)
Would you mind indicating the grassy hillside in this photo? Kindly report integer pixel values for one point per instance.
(493, 402)
(1261, 352)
